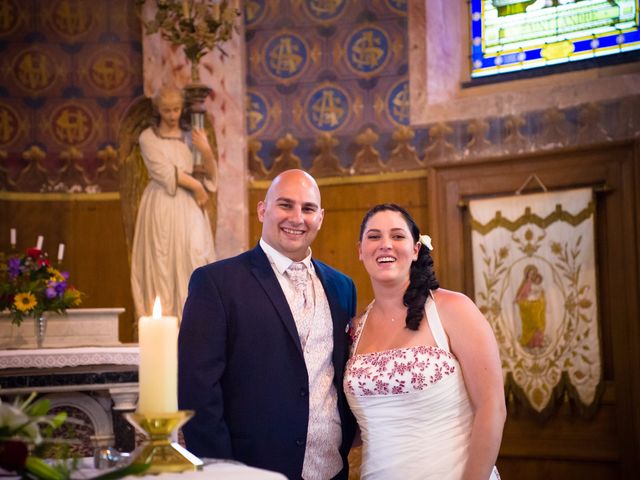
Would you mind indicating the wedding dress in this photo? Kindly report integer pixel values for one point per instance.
(412, 407)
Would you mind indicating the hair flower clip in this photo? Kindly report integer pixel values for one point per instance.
(426, 241)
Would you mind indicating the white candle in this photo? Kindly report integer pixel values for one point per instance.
(39, 242)
(13, 236)
(60, 252)
(158, 372)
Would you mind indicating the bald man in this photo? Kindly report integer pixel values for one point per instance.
(263, 345)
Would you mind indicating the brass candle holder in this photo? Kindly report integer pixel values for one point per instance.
(159, 450)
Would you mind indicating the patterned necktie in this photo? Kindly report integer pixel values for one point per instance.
(302, 306)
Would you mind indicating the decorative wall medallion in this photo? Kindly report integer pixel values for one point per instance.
(398, 104)
(11, 128)
(254, 11)
(108, 70)
(328, 107)
(34, 70)
(398, 6)
(10, 17)
(324, 11)
(72, 124)
(70, 18)
(367, 50)
(286, 56)
(257, 112)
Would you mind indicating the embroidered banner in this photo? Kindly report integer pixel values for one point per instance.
(535, 281)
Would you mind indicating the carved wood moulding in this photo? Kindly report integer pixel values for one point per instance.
(453, 142)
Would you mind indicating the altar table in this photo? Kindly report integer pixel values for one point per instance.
(213, 470)
(95, 384)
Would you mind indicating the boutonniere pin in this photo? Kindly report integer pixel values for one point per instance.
(350, 331)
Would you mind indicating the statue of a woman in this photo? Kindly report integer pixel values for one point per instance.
(173, 231)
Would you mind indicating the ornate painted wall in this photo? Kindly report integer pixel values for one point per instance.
(70, 70)
(317, 68)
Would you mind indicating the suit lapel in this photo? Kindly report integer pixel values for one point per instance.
(263, 272)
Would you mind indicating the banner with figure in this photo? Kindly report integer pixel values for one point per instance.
(535, 280)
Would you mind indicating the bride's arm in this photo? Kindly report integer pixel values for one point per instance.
(474, 345)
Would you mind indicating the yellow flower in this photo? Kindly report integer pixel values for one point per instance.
(56, 276)
(25, 301)
(73, 296)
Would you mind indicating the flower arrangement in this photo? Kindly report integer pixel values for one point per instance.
(197, 25)
(20, 433)
(26, 428)
(30, 286)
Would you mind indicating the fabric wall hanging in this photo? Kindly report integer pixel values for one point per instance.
(535, 281)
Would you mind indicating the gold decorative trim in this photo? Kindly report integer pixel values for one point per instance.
(352, 179)
(60, 197)
(528, 217)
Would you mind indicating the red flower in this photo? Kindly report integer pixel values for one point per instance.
(34, 252)
(44, 261)
(13, 455)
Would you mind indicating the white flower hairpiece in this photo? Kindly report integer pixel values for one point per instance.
(426, 241)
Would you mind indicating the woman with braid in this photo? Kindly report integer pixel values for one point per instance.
(424, 380)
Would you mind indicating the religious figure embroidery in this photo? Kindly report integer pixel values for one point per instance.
(531, 302)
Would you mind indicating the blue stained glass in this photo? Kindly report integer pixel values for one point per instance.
(509, 24)
(608, 41)
(582, 46)
(510, 58)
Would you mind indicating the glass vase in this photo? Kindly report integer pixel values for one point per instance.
(41, 329)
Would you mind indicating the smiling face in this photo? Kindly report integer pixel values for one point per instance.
(290, 214)
(387, 247)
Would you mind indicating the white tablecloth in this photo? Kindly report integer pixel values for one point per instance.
(213, 469)
(68, 357)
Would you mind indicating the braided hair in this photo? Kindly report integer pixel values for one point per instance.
(422, 278)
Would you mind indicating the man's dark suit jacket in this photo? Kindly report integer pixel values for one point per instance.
(241, 366)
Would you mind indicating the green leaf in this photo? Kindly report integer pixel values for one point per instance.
(42, 470)
(39, 408)
(133, 469)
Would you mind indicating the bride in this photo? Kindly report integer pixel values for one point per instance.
(424, 380)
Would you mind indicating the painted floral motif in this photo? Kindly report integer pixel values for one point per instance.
(397, 371)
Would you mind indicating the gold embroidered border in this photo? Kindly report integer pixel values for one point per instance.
(557, 215)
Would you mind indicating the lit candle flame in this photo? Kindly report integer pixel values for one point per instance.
(157, 308)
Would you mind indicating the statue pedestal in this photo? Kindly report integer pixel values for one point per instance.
(78, 327)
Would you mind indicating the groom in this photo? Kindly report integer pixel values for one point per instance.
(262, 347)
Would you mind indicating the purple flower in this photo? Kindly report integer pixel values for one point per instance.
(50, 292)
(14, 267)
(60, 287)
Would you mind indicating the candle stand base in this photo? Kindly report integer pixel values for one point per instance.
(159, 451)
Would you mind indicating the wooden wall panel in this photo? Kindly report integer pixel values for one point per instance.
(91, 228)
(566, 445)
(345, 202)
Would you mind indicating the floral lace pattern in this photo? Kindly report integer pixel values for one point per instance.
(397, 371)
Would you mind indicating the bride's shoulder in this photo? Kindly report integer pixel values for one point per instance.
(361, 316)
(448, 298)
(453, 304)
